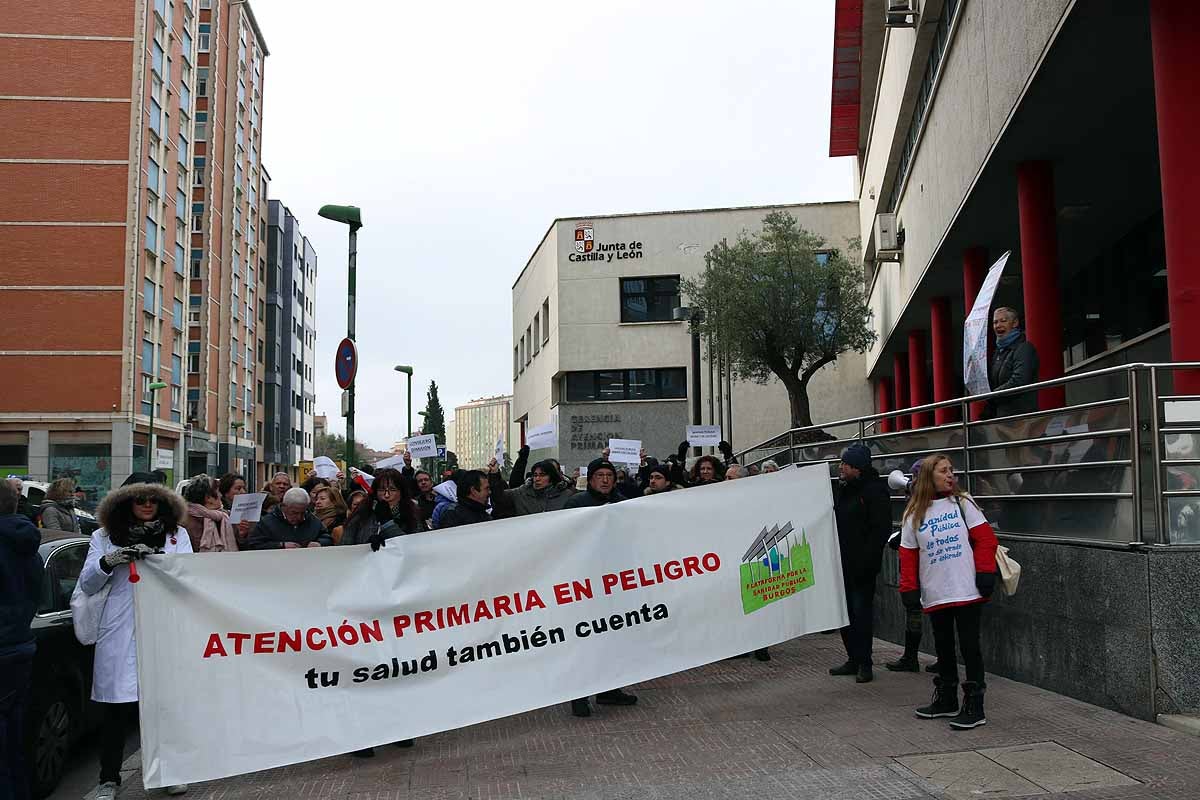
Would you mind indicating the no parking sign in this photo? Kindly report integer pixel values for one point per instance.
(345, 364)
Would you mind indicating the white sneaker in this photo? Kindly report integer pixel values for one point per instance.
(177, 789)
(106, 791)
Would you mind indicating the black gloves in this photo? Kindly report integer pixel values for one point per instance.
(985, 582)
(377, 540)
(382, 512)
(123, 556)
(911, 600)
(681, 451)
(523, 452)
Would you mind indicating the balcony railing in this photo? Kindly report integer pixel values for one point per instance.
(1117, 466)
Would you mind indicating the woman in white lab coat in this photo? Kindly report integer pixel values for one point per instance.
(136, 520)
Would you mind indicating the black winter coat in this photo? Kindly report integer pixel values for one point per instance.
(273, 532)
(591, 498)
(864, 523)
(1013, 366)
(465, 512)
(21, 577)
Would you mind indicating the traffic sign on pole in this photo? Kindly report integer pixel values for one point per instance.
(345, 365)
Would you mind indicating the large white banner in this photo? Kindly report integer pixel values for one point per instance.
(975, 332)
(255, 660)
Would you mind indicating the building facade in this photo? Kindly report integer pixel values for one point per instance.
(477, 426)
(97, 103)
(596, 350)
(975, 133)
(291, 340)
(227, 221)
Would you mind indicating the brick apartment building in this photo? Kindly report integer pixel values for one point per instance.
(132, 205)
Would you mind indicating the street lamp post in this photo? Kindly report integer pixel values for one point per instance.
(693, 316)
(407, 370)
(351, 216)
(154, 390)
(237, 426)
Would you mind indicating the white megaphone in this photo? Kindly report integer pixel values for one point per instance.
(898, 481)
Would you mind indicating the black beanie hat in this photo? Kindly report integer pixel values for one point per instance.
(857, 455)
(661, 470)
(601, 463)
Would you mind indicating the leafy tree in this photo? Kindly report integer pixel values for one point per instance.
(779, 302)
(331, 445)
(435, 417)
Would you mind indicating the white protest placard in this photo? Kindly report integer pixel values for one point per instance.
(541, 438)
(692, 577)
(500, 451)
(423, 446)
(164, 459)
(247, 508)
(703, 435)
(625, 451)
(325, 468)
(394, 462)
(975, 330)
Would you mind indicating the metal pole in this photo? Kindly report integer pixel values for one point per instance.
(150, 436)
(696, 382)
(1135, 455)
(729, 402)
(965, 411)
(1161, 534)
(408, 433)
(719, 389)
(711, 387)
(351, 290)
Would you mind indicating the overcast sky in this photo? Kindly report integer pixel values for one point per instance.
(463, 129)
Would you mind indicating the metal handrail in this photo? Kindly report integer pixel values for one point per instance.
(969, 400)
(868, 426)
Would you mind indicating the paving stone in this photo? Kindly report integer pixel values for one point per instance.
(970, 775)
(743, 728)
(1055, 768)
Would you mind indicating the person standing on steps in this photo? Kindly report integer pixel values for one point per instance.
(948, 568)
(864, 522)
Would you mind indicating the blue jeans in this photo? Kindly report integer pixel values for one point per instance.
(15, 676)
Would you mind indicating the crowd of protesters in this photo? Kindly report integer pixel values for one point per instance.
(144, 516)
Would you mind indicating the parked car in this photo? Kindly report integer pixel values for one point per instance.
(60, 709)
(35, 492)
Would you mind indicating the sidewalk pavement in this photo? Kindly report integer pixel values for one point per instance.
(783, 729)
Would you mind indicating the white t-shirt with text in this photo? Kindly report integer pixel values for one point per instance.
(947, 562)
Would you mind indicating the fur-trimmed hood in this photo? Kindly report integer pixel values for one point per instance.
(125, 494)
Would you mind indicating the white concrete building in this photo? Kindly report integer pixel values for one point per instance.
(595, 346)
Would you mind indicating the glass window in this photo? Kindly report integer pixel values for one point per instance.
(152, 175)
(156, 57)
(529, 349)
(62, 573)
(201, 83)
(202, 42)
(147, 356)
(187, 44)
(148, 296)
(546, 320)
(649, 299)
(177, 315)
(176, 370)
(156, 117)
(185, 97)
(88, 464)
(180, 205)
(634, 384)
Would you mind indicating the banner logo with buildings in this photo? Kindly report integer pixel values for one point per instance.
(774, 567)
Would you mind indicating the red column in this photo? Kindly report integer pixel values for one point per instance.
(974, 271)
(883, 403)
(1039, 274)
(943, 359)
(918, 378)
(1175, 41)
(900, 376)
